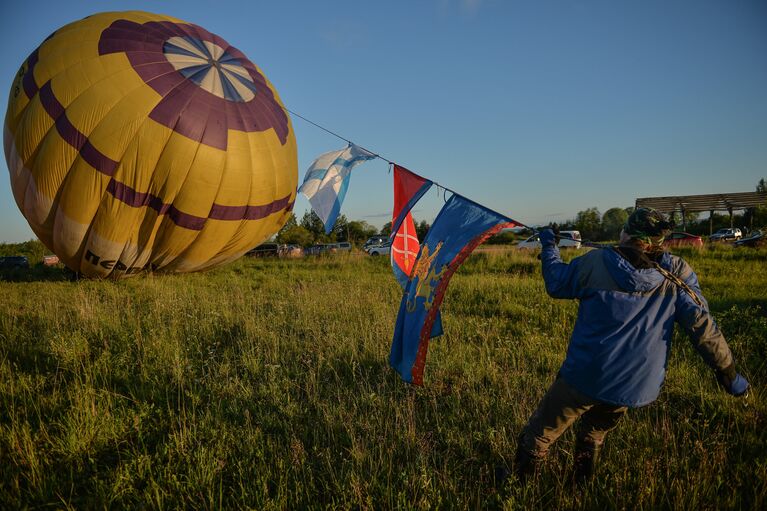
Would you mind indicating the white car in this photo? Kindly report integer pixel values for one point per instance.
(378, 239)
(568, 239)
(377, 250)
(726, 234)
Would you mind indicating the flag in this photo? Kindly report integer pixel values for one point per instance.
(404, 250)
(460, 227)
(408, 188)
(327, 179)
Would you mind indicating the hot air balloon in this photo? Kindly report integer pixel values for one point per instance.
(136, 140)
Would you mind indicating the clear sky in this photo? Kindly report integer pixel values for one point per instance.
(537, 109)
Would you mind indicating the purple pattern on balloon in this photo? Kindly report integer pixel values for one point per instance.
(134, 198)
(30, 86)
(186, 107)
(201, 115)
(72, 135)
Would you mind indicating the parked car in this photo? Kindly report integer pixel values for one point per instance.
(378, 239)
(51, 260)
(14, 262)
(343, 246)
(567, 239)
(316, 249)
(265, 250)
(328, 248)
(377, 250)
(682, 239)
(726, 234)
(757, 238)
(291, 251)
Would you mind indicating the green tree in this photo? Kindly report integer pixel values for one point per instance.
(612, 222)
(502, 238)
(295, 235)
(688, 222)
(312, 223)
(359, 231)
(340, 230)
(760, 212)
(386, 229)
(421, 228)
(291, 222)
(588, 222)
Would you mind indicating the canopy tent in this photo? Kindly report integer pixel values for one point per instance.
(698, 203)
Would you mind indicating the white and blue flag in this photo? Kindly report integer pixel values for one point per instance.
(327, 179)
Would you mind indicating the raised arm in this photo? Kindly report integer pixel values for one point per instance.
(560, 278)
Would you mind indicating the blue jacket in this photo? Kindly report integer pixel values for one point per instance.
(619, 347)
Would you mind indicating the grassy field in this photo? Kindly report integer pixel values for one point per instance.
(265, 385)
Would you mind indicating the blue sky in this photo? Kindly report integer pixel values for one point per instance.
(537, 109)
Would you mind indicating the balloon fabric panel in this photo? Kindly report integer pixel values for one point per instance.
(136, 140)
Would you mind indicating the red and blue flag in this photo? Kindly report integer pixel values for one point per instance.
(408, 188)
(460, 227)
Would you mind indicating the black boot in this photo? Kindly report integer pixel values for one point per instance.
(524, 463)
(502, 475)
(584, 462)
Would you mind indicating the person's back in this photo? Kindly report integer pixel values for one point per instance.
(621, 340)
(630, 297)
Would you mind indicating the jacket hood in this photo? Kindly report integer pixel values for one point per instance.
(630, 279)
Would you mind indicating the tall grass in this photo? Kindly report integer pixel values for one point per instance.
(265, 385)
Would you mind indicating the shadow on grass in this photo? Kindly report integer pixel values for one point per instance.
(756, 305)
(38, 273)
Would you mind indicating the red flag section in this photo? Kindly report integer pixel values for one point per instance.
(404, 248)
(408, 188)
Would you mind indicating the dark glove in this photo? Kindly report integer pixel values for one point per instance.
(732, 382)
(548, 239)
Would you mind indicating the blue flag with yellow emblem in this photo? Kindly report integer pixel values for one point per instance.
(460, 227)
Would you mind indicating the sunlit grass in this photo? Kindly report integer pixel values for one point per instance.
(265, 385)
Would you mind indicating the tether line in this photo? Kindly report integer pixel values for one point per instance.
(390, 162)
(586, 243)
(323, 128)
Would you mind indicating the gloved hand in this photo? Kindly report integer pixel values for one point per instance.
(547, 237)
(733, 383)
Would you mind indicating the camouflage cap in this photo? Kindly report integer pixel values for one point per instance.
(646, 224)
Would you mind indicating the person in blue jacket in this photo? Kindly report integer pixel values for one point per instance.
(630, 297)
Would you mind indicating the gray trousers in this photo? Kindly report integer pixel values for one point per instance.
(558, 410)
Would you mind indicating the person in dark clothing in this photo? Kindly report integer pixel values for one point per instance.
(630, 298)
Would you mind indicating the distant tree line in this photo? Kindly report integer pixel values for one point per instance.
(595, 226)
(591, 223)
(310, 230)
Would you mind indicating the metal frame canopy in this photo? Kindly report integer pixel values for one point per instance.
(697, 203)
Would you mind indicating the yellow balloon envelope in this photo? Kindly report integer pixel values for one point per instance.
(138, 141)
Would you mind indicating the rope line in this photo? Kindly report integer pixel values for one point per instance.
(667, 274)
(336, 135)
(390, 162)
